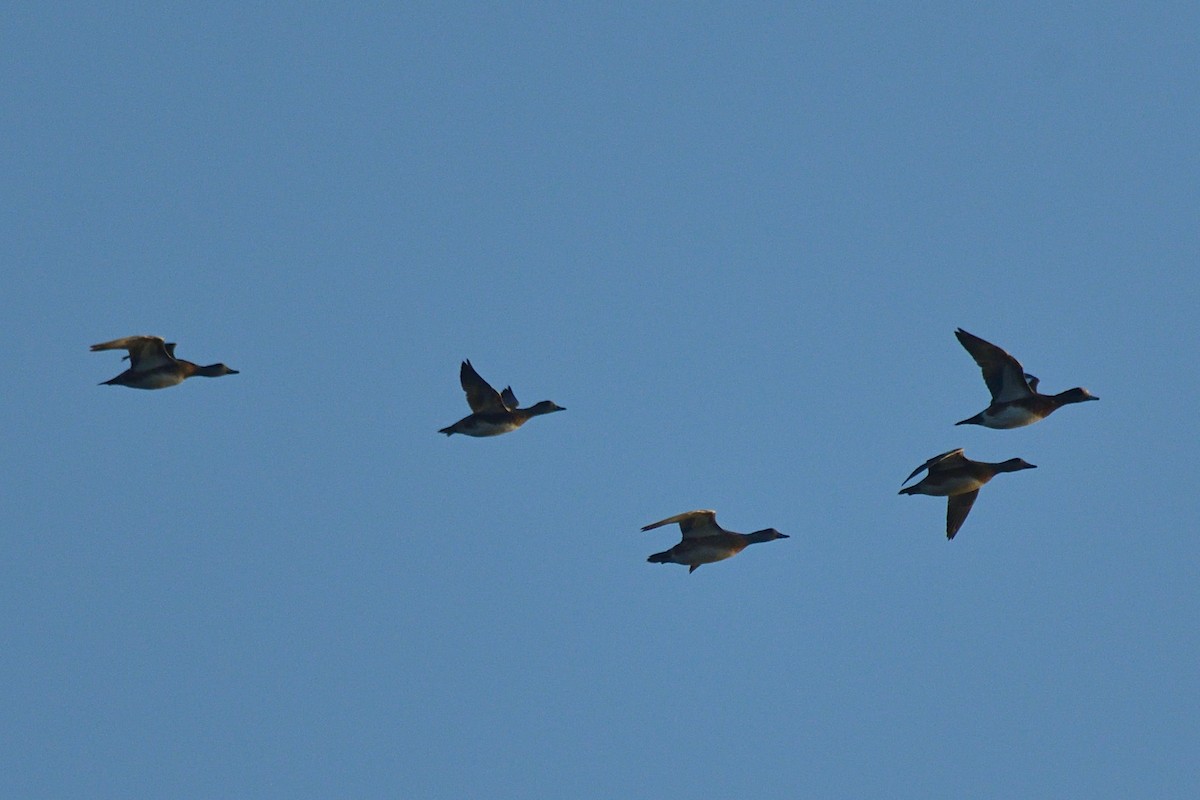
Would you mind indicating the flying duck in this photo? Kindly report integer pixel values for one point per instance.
(493, 413)
(153, 365)
(1015, 399)
(704, 541)
(955, 476)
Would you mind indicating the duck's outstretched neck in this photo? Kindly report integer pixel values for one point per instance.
(214, 371)
(1012, 465)
(766, 535)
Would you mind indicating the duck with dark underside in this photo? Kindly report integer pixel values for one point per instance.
(704, 541)
(955, 476)
(153, 365)
(493, 413)
(1015, 398)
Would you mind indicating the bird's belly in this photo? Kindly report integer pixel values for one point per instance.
(1007, 417)
(707, 554)
(962, 485)
(952, 486)
(155, 380)
(482, 428)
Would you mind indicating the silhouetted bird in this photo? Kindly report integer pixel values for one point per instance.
(1015, 400)
(153, 365)
(494, 412)
(955, 476)
(704, 541)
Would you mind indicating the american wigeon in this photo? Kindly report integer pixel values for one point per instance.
(153, 365)
(955, 476)
(493, 413)
(704, 541)
(1015, 399)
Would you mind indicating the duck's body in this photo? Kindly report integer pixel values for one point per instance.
(1015, 399)
(704, 541)
(494, 423)
(493, 413)
(954, 475)
(153, 365)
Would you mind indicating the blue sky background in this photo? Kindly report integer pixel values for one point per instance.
(734, 241)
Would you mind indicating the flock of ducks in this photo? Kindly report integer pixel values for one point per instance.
(1015, 403)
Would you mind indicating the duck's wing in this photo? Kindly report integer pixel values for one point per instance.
(169, 347)
(693, 524)
(145, 352)
(509, 399)
(948, 460)
(1003, 374)
(481, 397)
(957, 508)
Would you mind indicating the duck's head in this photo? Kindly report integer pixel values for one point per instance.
(767, 535)
(1014, 464)
(546, 407)
(215, 371)
(1077, 395)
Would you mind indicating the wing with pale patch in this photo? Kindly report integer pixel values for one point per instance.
(145, 352)
(481, 397)
(948, 460)
(1003, 374)
(957, 508)
(169, 347)
(693, 524)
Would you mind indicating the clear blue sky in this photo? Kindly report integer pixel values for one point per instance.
(734, 242)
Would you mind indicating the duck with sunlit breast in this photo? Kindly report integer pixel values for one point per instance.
(704, 541)
(1015, 399)
(492, 412)
(153, 365)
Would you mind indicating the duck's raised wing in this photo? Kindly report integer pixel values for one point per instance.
(481, 397)
(145, 352)
(1003, 374)
(948, 460)
(693, 524)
